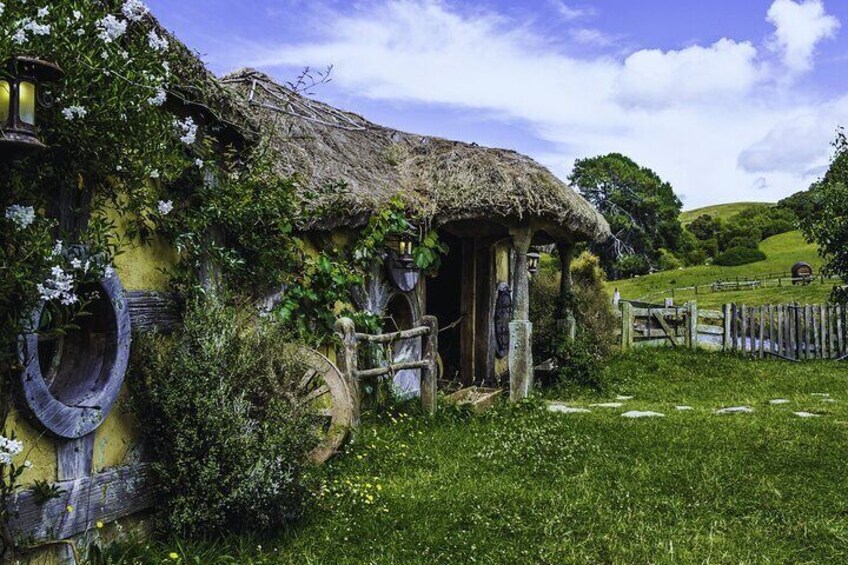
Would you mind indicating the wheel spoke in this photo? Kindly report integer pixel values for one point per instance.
(307, 378)
(317, 393)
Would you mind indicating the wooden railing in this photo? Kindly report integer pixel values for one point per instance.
(348, 359)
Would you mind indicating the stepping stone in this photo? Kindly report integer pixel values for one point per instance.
(806, 415)
(683, 408)
(619, 397)
(735, 410)
(828, 400)
(821, 394)
(779, 401)
(638, 414)
(607, 405)
(563, 409)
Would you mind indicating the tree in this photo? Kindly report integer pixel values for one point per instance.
(705, 227)
(641, 208)
(829, 225)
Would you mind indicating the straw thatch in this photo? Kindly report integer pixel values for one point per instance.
(444, 180)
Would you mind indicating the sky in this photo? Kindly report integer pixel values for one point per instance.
(728, 100)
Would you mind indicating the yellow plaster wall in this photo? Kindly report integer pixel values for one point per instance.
(140, 266)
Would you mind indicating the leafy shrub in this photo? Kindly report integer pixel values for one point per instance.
(668, 261)
(739, 256)
(229, 442)
(748, 242)
(580, 360)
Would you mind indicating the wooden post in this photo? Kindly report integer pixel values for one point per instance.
(347, 360)
(626, 326)
(566, 324)
(428, 374)
(725, 334)
(744, 332)
(762, 331)
(520, 329)
(692, 326)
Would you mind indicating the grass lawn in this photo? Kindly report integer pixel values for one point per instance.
(721, 211)
(782, 250)
(525, 485)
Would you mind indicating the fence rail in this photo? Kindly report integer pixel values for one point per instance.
(788, 331)
(743, 283)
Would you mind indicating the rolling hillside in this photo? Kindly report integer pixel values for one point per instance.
(722, 211)
(782, 250)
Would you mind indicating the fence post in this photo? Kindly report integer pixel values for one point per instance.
(692, 326)
(428, 374)
(725, 337)
(626, 326)
(346, 359)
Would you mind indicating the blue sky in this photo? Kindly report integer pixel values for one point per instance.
(729, 100)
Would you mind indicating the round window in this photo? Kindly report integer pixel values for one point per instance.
(70, 381)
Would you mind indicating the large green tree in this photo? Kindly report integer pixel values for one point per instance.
(641, 208)
(829, 225)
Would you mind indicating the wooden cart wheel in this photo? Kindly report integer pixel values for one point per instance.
(323, 389)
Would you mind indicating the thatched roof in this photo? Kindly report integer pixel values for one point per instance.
(445, 180)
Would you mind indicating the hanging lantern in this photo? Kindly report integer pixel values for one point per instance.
(400, 260)
(533, 258)
(402, 247)
(21, 93)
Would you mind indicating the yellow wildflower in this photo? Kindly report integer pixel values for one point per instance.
(69, 508)
(173, 555)
(99, 524)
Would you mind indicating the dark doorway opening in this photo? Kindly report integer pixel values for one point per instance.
(444, 300)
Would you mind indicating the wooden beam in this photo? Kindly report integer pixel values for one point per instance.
(104, 497)
(149, 311)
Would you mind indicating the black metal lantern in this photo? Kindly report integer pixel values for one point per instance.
(21, 93)
(533, 259)
(402, 247)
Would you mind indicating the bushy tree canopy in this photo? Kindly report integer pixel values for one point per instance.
(641, 208)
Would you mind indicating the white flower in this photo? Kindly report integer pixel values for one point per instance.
(111, 28)
(37, 28)
(2, 8)
(11, 446)
(199, 163)
(57, 248)
(156, 43)
(109, 272)
(167, 66)
(59, 287)
(19, 36)
(28, 464)
(76, 264)
(154, 174)
(5, 458)
(72, 112)
(134, 10)
(159, 98)
(43, 12)
(22, 216)
(165, 207)
(77, 15)
(187, 130)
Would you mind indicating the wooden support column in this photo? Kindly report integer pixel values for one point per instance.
(566, 324)
(428, 374)
(520, 329)
(347, 357)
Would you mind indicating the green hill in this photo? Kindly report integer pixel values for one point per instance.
(722, 211)
(782, 252)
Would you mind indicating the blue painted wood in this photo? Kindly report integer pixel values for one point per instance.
(92, 378)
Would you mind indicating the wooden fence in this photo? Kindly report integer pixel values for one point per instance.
(348, 359)
(788, 331)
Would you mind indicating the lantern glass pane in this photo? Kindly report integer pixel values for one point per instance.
(5, 101)
(27, 103)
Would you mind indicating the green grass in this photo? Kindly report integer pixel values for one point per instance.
(523, 485)
(782, 252)
(721, 211)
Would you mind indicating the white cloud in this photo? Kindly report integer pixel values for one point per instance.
(591, 36)
(571, 12)
(800, 26)
(658, 78)
(701, 116)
